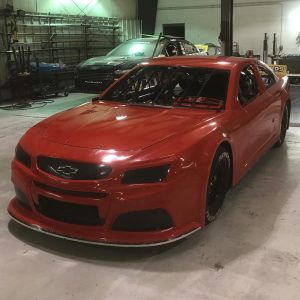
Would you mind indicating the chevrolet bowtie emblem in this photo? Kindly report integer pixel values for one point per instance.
(67, 170)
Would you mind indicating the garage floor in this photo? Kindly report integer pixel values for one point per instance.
(251, 252)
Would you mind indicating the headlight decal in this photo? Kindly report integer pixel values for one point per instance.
(146, 175)
(23, 157)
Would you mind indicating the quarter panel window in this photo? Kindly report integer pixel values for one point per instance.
(248, 87)
(189, 48)
(267, 76)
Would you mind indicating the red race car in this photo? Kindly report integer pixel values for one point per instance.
(150, 160)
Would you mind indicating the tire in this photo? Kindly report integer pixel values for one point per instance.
(284, 126)
(218, 184)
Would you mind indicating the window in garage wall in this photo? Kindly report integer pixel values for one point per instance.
(174, 29)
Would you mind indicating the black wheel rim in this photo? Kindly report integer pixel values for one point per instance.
(217, 187)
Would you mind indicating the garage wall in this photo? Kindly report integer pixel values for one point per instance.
(251, 20)
(103, 8)
(202, 20)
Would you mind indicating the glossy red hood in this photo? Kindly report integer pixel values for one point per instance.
(119, 127)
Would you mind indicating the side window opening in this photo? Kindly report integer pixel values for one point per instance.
(248, 88)
(267, 77)
(189, 48)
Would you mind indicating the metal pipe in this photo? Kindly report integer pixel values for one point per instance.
(265, 49)
(28, 59)
(160, 35)
(274, 44)
(23, 59)
(20, 59)
(16, 59)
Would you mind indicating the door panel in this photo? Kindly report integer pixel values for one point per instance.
(257, 116)
(254, 132)
(271, 88)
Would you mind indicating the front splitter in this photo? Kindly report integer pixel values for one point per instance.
(80, 240)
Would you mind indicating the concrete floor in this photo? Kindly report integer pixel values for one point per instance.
(251, 252)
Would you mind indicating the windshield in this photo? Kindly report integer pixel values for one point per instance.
(172, 87)
(135, 48)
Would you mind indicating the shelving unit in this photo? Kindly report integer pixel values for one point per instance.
(57, 38)
(51, 37)
(66, 38)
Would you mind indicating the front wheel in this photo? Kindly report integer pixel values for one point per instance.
(218, 184)
(284, 126)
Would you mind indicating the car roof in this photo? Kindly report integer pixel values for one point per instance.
(148, 39)
(220, 62)
(154, 39)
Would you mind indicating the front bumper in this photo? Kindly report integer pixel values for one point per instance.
(107, 238)
(119, 200)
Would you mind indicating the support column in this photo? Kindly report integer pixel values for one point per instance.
(226, 34)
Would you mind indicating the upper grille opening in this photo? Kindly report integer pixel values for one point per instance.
(71, 169)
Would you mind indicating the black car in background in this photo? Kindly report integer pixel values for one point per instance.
(96, 73)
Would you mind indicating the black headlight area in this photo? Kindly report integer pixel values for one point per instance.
(146, 175)
(23, 157)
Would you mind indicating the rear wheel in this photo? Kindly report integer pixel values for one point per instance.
(218, 184)
(284, 126)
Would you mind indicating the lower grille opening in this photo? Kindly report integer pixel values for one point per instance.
(143, 221)
(22, 198)
(72, 213)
